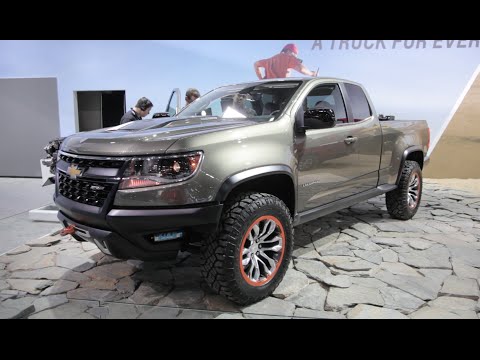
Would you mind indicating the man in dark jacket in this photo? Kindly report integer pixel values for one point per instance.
(140, 110)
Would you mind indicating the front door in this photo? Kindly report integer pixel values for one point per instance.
(174, 104)
(173, 107)
(328, 159)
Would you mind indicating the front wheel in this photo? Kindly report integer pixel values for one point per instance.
(403, 202)
(247, 258)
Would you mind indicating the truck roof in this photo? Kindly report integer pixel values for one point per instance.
(302, 79)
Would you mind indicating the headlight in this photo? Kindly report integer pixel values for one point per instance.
(160, 170)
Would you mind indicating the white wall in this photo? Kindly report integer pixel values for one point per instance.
(29, 120)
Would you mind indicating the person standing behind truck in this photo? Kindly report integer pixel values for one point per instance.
(191, 95)
(278, 66)
(141, 109)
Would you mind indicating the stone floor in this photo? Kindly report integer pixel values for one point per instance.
(356, 263)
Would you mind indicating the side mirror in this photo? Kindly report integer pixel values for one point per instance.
(319, 119)
(386, 118)
(160, 115)
(299, 121)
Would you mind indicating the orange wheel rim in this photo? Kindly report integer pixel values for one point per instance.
(262, 250)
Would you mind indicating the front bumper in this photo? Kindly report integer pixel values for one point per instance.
(127, 234)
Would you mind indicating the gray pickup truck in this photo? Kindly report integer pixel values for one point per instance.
(236, 171)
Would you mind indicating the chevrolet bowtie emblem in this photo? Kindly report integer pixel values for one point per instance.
(74, 171)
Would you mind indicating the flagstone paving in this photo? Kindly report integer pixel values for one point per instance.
(356, 263)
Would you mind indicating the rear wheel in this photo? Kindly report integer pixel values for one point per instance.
(248, 256)
(403, 202)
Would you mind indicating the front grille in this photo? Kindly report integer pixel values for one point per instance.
(97, 163)
(84, 191)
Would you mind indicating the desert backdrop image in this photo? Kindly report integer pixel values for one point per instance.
(457, 153)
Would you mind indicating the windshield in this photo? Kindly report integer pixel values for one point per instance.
(258, 101)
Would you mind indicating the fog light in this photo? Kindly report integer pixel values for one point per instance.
(166, 236)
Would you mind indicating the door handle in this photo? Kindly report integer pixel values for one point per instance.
(350, 140)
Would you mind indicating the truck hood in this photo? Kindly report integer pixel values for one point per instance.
(146, 137)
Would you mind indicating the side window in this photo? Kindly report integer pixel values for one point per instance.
(360, 107)
(328, 97)
(214, 108)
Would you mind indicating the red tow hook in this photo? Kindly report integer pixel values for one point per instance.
(69, 230)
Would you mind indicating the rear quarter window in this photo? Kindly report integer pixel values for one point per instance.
(360, 107)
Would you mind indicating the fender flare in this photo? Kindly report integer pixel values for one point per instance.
(407, 152)
(233, 181)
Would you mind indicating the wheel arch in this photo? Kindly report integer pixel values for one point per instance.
(414, 153)
(277, 180)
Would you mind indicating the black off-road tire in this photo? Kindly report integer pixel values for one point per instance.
(397, 200)
(221, 256)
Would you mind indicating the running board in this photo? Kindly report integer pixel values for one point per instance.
(320, 211)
